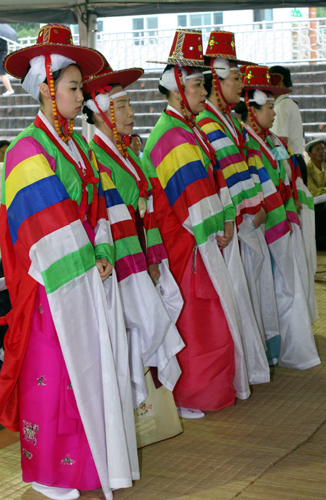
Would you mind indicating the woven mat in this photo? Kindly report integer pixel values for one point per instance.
(270, 446)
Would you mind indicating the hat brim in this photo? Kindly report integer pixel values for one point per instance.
(268, 88)
(124, 76)
(89, 61)
(189, 63)
(231, 58)
(312, 143)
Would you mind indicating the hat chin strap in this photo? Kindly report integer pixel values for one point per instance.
(219, 93)
(264, 132)
(59, 120)
(121, 145)
(183, 102)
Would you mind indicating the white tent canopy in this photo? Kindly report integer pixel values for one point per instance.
(69, 11)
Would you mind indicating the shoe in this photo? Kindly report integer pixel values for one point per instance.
(56, 493)
(8, 93)
(189, 413)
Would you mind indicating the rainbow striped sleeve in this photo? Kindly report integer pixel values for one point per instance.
(281, 182)
(154, 244)
(223, 192)
(235, 169)
(276, 222)
(40, 214)
(128, 255)
(180, 168)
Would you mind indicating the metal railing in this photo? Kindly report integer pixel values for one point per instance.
(266, 42)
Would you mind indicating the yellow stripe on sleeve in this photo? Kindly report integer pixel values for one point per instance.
(234, 168)
(24, 174)
(177, 158)
(210, 127)
(107, 182)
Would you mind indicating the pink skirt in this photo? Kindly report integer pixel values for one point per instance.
(54, 447)
(207, 361)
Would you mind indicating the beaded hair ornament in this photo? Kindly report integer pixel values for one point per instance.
(58, 118)
(121, 145)
(218, 90)
(264, 132)
(183, 101)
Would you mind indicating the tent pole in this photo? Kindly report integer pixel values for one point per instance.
(92, 43)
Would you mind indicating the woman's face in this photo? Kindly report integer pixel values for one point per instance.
(69, 93)
(123, 112)
(196, 94)
(265, 115)
(232, 85)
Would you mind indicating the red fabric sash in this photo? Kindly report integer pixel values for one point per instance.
(142, 183)
(87, 177)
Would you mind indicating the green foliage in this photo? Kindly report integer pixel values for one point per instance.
(24, 30)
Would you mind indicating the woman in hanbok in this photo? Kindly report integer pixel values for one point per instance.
(65, 382)
(183, 174)
(150, 311)
(297, 348)
(224, 85)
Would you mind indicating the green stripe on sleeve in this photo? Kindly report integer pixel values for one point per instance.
(153, 237)
(69, 267)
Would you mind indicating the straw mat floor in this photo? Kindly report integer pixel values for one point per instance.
(272, 446)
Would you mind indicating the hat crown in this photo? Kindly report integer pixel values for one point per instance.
(257, 75)
(55, 33)
(187, 48)
(221, 44)
(105, 71)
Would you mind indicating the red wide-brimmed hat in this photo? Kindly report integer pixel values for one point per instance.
(54, 39)
(221, 44)
(107, 76)
(259, 78)
(186, 50)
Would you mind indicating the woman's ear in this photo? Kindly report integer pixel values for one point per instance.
(254, 111)
(44, 91)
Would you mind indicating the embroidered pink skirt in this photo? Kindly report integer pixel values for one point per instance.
(207, 361)
(54, 447)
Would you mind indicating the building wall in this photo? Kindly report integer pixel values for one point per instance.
(170, 21)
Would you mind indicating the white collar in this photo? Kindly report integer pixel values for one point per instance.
(171, 108)
(71, 148)
(227, 122)
(114, 148)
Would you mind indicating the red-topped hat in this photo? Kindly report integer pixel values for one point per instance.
(259, 78)
(186, 50)
(107, 76)
(54, 39)
(221, 44)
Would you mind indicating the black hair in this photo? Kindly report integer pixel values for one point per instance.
(4, 143)
(241, 108)
(285, 72)
(89, 113)
(208, 84)
(136, 135)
